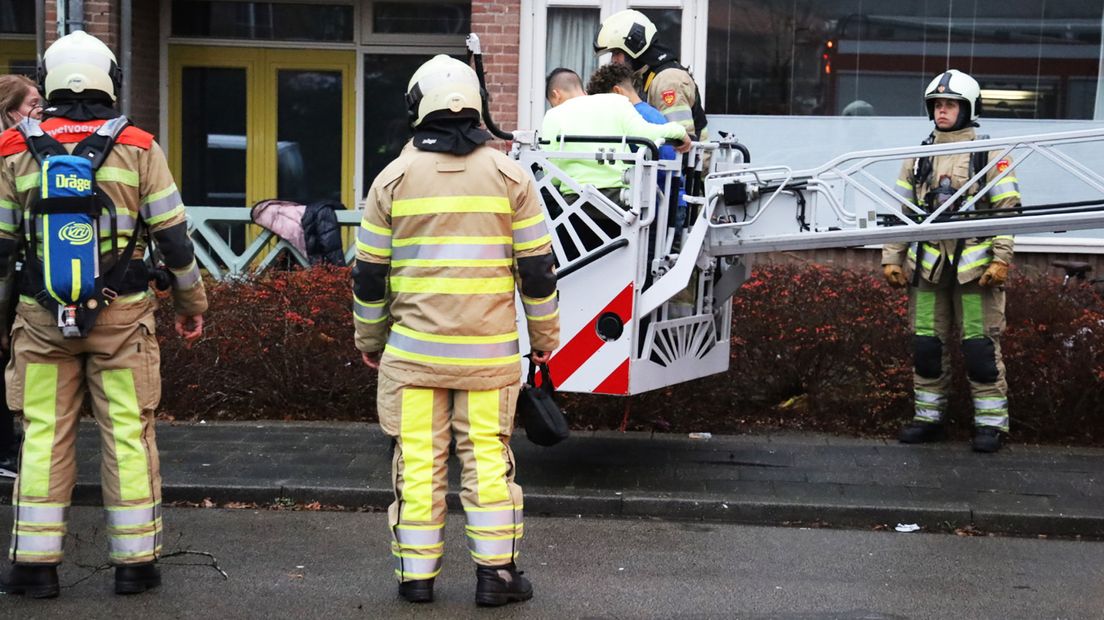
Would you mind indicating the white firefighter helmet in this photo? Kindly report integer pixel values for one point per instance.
(442, 83)
(629, 31)
(79, 63)
(954, 84)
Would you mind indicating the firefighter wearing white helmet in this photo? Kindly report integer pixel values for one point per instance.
(87, 166)
(668, 86)
(81, 66)
(955, 285)
(450, 229)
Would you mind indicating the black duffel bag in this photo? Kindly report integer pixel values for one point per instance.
(540, 415)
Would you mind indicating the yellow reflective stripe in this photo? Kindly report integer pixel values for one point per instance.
(132, 507)
(27, 181)
(502, 537)
(75, 266)
(415, 547)
(1008, 237)
(1003, 195)
(371, 249)
(977, 263)
(417, 335)
(135, 554)
(535, 243)
(452, 286)
(405, 526)
(497, 556)
(40, 523)
(177, 210)
(494, 508)
(108, 174)
(126, 299)
(484, 431)
(22, 552)
(39, 407)
(450, 204)
(11, 228)
(453, 262)
(408, 575)
(126, 423)
(168, 191)
(370, 321)
(416, 556)
(379, 230)
(451, 240)
(905, 184)
(452, 361)
(9, 205)
(369, 304)
(529, 221)
(416, 432)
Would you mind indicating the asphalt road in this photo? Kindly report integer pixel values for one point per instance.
(337, 565)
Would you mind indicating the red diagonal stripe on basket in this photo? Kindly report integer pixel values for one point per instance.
(586, 343)
(617, 382)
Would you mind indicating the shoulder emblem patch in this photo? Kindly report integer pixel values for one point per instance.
(1002, 165)
(668, 98)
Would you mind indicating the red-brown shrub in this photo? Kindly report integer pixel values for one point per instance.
(812, 348)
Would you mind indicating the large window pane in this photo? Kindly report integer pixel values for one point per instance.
(214, 137)
(262, 20)
(1033, 60)
(17, 17)
(385, 119)
(421, 18)
(570, 41)
(668, 24)
(308, 130)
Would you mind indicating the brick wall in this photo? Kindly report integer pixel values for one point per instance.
(498, 22)
(101, 20)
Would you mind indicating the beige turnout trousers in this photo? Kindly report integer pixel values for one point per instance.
(423, 421)
(48, 376)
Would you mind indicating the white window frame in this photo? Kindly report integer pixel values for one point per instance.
(534, 28)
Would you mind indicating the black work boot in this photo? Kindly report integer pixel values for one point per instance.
(499, 585)
(136, 578)
(34, 580)
(922, 432)
(987, 439)
(417, 591)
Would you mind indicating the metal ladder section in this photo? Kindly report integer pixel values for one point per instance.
(851, 201)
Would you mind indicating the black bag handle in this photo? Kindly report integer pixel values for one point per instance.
(546, 377)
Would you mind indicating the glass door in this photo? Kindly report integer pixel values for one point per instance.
(248, 124)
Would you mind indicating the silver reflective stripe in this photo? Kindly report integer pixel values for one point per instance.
(40, 543)
(491, 549)
(373, 239)
(531, 233)
(133, 545)
(990, 404)
(998, 421)
(432, 251)
(188, 277)
(130, 517)
(928, 415)
(930, 397)
(679, 116)
(442, 349)
(538, 308)
(903, 192)
(419, 538)
(124, 222)
(975, 253)
(29, 513)
(493, 518)
(417, 567)
(369, 312)
(161, 206)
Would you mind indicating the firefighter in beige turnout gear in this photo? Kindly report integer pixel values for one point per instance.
(631, 39)
(451, 228)
(955, 285)
(118, 361)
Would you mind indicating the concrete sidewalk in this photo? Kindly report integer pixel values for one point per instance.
(763, 479)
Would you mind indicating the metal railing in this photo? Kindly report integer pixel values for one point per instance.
(221, 261)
